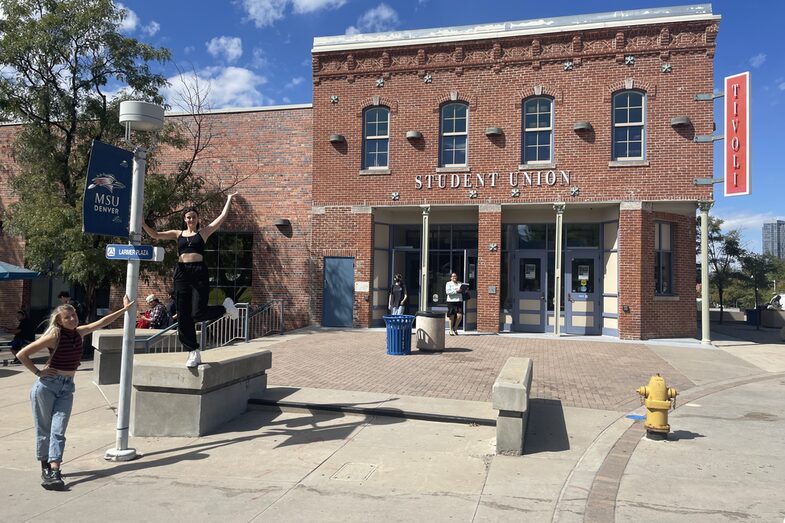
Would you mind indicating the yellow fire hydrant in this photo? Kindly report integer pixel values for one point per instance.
(659, 399)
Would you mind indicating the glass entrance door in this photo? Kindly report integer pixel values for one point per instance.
(529, 280)
(583, 292)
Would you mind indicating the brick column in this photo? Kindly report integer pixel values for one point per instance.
(636, 269)
(489, 267)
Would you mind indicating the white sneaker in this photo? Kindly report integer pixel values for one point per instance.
(231, 309)
(194, 359)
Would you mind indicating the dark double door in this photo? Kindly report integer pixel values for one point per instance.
(532, 282)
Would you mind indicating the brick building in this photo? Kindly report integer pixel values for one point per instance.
(486, 128)
(486, 133)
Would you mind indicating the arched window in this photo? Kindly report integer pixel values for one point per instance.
(629, 131)
(376, 138)
(454, 135)
(537, 130)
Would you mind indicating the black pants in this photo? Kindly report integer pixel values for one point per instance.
(192, 292)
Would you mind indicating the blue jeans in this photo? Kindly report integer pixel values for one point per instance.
(52, 398)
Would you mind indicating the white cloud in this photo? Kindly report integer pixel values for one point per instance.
(152, 28)
(294, 82)
(781, 86)
(189, 49)
(379, 19)
(266, 12)
(259, 59)
(286, 100)
(750, 225)
(757, 60)
(130, 21)
(228, 47)
(309, 6)
(226, 87)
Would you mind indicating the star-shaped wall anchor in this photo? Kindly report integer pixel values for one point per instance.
(428, 78)
(515, 192)
(396, 196)
(334, 99)
(575, 191)
(380, 82)
(629, 59)
(568, 65)
(473, 193)
(666, 68)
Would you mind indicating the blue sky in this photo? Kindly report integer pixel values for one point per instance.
(257, 52)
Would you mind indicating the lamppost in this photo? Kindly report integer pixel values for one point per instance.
(137, 116)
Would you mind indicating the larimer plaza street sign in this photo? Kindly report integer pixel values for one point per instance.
(116, 251)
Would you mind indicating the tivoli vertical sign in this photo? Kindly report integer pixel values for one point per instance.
(737, 134)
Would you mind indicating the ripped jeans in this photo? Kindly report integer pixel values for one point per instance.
(52, 398)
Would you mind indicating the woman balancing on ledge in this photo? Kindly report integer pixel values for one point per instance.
(191, 280)
(52, 394)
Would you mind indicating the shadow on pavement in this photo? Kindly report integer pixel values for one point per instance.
(676, 435)
(546, 430)
(432, 352)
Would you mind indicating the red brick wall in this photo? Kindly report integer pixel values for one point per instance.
(270, 154)
(489, 270)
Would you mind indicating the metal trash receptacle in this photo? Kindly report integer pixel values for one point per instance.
(399, 334)
(430, 331)
(753, 317)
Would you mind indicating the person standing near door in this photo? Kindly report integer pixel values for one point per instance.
(398, 296)
(454, 303)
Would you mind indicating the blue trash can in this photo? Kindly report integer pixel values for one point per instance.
(399, 334)
(753, 317)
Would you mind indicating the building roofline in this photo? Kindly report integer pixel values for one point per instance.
(658, 15)
(229, 110)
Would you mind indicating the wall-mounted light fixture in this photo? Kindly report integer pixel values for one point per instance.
(681, 121)
(493, 131)
(282, 222)
(337, 138)
(413, 135)
(582, 126)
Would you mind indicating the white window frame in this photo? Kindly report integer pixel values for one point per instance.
(537, 130)
(628, 124)
(453, 133)
(370, 139)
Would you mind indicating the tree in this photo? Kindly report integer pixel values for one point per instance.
(57, 61)
(724, 253)
(757, 267)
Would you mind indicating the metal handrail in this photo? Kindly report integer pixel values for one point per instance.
(252, 323)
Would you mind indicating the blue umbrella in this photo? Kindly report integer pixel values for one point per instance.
(12, 272)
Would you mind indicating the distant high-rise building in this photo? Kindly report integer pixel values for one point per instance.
(774, 239)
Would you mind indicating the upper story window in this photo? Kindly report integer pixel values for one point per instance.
(454, 135)
(629, 131)
(376, 138)
(537, 130)
(663, 261)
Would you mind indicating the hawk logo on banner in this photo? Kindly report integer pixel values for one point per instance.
(107, 198)
(737, 135)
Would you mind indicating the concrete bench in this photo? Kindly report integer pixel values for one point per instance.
(511, 398)
(108, 345)
(171, 400)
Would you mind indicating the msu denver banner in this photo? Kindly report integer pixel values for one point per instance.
(107, 194)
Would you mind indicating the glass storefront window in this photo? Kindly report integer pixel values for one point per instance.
(464, 236)
(532, 236)
(230, 259)
(582, 235)
(404, 236)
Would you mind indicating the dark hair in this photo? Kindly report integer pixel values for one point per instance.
(196, 212)
(397, 277)
(64, 294)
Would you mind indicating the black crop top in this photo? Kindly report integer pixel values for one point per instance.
(188, 244)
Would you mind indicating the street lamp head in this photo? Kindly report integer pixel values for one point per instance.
(142, 116)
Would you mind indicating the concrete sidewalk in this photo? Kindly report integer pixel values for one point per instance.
(724, 462)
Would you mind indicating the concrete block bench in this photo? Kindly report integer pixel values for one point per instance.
(108, 345)
(171, 400)
(510, 397)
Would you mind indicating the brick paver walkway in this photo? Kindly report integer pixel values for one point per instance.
(579, 373)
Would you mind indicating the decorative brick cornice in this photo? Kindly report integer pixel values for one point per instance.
(455, 96)
(536, 51)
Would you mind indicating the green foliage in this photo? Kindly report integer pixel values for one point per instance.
(758, 269)
(58, 59)
(724, 254)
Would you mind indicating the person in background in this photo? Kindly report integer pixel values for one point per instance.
(24, 333)
(454, 303)
(398, 295)
(159, 318)
(52, 394)
(172, 307)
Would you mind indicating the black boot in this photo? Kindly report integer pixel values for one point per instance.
(52, 480)
(45, 468)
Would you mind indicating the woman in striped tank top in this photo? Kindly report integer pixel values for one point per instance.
(52, 394)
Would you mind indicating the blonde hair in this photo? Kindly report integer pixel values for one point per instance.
(55, 321)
